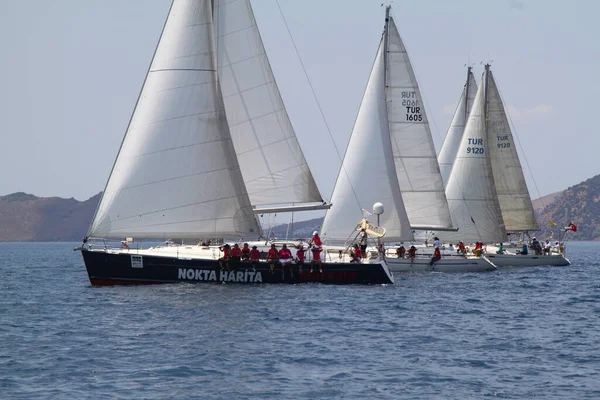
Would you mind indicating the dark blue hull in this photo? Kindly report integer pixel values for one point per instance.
(106, 268)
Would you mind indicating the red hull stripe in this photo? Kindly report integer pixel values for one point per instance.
(110, 282)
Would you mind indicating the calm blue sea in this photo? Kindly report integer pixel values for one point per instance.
(514, 334)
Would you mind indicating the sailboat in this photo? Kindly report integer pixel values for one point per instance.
(209, 146)
(486, 189)
(391, 159)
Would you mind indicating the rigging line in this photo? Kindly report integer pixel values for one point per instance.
(337, 151)
(437, 130)
(183, 69)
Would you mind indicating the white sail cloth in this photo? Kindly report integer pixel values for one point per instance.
(511, 188)
(176, 174)
(457, 127)
(272, 163)
(471, 191)
(415, 157)
(367, 175)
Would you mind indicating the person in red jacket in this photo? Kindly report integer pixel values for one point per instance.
(315, 240)
(316, 258)
(245, 252)
(272, 257)
(300, 254)
(355, 254)
(412, 252)
(285, 257)
(224, 261)
(401, 251)
(437, 255)
(236, 255)
(254, 257)
(478, 249)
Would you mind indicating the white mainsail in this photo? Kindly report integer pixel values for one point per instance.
(415, 157)
(176, 174)
(272, 163)
(471, 191)
(368, 174)
(457, 127)
(511, 187)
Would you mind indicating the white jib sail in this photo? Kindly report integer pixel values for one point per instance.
(415, 157)
(457, 127)
(511, 187)
(272, 163)
(176, 174)
(367, 175)
(471, 192)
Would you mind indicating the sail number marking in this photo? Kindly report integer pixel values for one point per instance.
(471, 149)
(503, 139)
(413, 109)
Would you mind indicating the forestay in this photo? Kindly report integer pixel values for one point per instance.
(471, 192)
(273, 165)
(176, 174)
(457, 127)
(415, 158)
(367, 175)
(511, 188)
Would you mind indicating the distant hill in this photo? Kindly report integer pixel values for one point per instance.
(539, 204)
(297, 230)
(579, 204)
(25, 217)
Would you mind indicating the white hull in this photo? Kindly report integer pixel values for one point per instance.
(446, 264)
(200, 252)
(529, 260)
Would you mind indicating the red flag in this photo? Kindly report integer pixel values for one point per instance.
(573, 227)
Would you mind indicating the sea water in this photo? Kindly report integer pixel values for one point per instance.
(514, 334)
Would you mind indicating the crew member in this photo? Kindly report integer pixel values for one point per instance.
(285, 257)
(316, 259)
(412, 252)
(355, 254)
(401, 251)
(272, 257)
(245, 252)
(437, 255)
(254, 257)
(300, 254)
(226, 249)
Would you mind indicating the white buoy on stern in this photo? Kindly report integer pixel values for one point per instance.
(378, 209)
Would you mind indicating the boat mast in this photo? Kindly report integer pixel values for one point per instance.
(385, 42)
(467, 93)
(485, 95)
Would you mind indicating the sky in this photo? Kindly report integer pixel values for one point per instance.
(71, 72)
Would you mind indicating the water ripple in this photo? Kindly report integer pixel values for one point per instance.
(512, 334)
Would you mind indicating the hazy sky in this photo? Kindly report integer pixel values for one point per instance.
(71, 72)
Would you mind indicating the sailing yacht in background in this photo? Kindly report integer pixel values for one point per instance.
(454, 135)
(209, 145)
(391, 159)
(486, 190)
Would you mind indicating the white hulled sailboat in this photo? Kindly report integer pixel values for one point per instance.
(391, 159)
(208, 146)
(486, 190)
